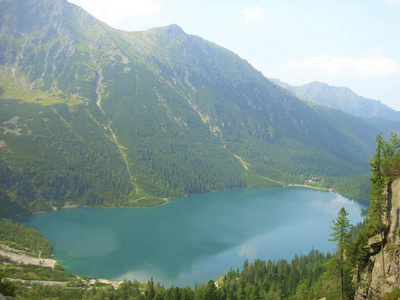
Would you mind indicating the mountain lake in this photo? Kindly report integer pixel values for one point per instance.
(194, 239)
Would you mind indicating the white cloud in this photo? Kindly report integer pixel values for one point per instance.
(253, 14)
(113, 12)
(323, 66)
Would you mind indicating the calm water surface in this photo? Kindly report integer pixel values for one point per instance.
(193, 239)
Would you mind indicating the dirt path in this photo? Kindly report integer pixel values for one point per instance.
(39, 282)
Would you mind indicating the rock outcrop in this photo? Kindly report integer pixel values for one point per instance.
(371, 282)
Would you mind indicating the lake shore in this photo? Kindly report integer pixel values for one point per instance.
(22, 258)
(312, 187)
(69, 205)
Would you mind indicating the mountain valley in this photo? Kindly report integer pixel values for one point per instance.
(95, 116)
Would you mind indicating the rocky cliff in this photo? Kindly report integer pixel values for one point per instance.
(371, 282)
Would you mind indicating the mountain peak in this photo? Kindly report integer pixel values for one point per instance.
(174, 28)
(323, 85)
(317, 83)
(170, 30)
(341, 98)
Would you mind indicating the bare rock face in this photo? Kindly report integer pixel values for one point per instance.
(374, 245)
(371, 282)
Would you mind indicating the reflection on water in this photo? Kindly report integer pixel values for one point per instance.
(193, 239)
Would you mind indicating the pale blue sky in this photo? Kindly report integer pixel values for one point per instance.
(353, 43)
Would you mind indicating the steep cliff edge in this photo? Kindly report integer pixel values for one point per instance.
(371, 282)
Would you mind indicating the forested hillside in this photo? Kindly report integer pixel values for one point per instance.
(91, 115)
(365, 264)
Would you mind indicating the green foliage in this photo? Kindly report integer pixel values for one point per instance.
(384, 166)
(259, 280)
(377, 210)
(263, 280)
(211, 291)
(358, 186)
(341, 231)
(37, 292)
(391, 155)
(339, 268)
(6, 288)
(23, 238)
(395, 295)
(311, 276)
(338, 278)
(128, 290)
(93, 116)
(32, 272)
(57, 158)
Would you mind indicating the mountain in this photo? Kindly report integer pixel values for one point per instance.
(341, 98)
(94, 116)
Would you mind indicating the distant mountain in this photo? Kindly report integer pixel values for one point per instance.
(94, 116)
(341, 98)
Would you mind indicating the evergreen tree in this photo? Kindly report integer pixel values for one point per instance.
(211, 292)
(339, 265)
(377, 209)
(302, 291)
(198, 292)
(150, 292)
(391, 154)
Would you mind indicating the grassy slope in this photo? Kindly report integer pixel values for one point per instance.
(116, 118)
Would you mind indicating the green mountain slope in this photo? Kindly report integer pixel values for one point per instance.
(91, 115)
(341, 98)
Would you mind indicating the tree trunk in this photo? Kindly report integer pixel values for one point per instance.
(383, 256)
(342, 283)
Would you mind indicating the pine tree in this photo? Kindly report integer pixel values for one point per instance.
(391, 155)
(211, 292)
(150, 292)
(339, 264)
(377, 209)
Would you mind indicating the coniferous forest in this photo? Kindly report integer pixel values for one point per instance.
(93, 116)
(312, 276)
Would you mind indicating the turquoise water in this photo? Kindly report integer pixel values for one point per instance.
(193, 239)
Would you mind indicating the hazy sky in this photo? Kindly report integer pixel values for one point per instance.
(353, 43)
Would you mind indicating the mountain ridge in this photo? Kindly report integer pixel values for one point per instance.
(95, 116)
(342, 98)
